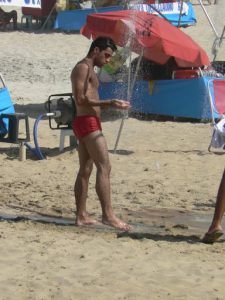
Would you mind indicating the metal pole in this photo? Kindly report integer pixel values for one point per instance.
(221, 38)
(118, 135)
(129, 93)
(22, 151)
(48, 17)
(180, 14)
(210, 22)
(218, 39)
(93, 5)
(125, 115)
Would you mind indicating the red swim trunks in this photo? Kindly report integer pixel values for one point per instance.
(83, 125)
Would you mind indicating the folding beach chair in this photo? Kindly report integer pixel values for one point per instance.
(216, 92)
(10, 121)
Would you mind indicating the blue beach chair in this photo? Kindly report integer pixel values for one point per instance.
(10, 120)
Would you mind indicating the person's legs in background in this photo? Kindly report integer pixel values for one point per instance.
(215, 230)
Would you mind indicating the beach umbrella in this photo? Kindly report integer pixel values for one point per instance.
(147, 33)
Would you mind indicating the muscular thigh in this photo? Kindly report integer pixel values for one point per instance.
(97, 148)
(86, 162)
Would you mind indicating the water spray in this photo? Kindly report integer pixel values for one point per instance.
(129, 93)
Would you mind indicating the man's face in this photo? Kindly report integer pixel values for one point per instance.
(103, 57)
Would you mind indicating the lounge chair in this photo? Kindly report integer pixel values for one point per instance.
(10, 121)
(216, 88)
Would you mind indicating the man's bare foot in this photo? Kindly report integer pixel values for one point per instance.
(117, 223)
(85, 220)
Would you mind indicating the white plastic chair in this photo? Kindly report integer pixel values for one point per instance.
(217, 105)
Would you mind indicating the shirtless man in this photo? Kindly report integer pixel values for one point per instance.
(215, 230)
(87, 128)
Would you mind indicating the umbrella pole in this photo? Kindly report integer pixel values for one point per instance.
(118, 135)
(93, 5)
(129, 92)
(125, 114)
(210, 22)
(47, 19)
(180, 15)
(218, 39)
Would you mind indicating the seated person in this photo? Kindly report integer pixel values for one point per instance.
(6, 17)
(149, 70)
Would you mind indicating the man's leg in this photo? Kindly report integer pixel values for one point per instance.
(81, 186)
(219, 208)
(98, 151)
(215, 230)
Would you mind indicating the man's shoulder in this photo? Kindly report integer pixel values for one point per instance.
(80, 69)
(82, 65)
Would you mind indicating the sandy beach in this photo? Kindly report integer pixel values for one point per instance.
(164, 182)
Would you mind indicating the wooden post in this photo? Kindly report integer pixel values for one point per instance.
(22, 151)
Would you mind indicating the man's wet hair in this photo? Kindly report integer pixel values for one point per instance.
(102, 43)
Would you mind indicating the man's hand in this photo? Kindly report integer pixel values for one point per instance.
(122, 104)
